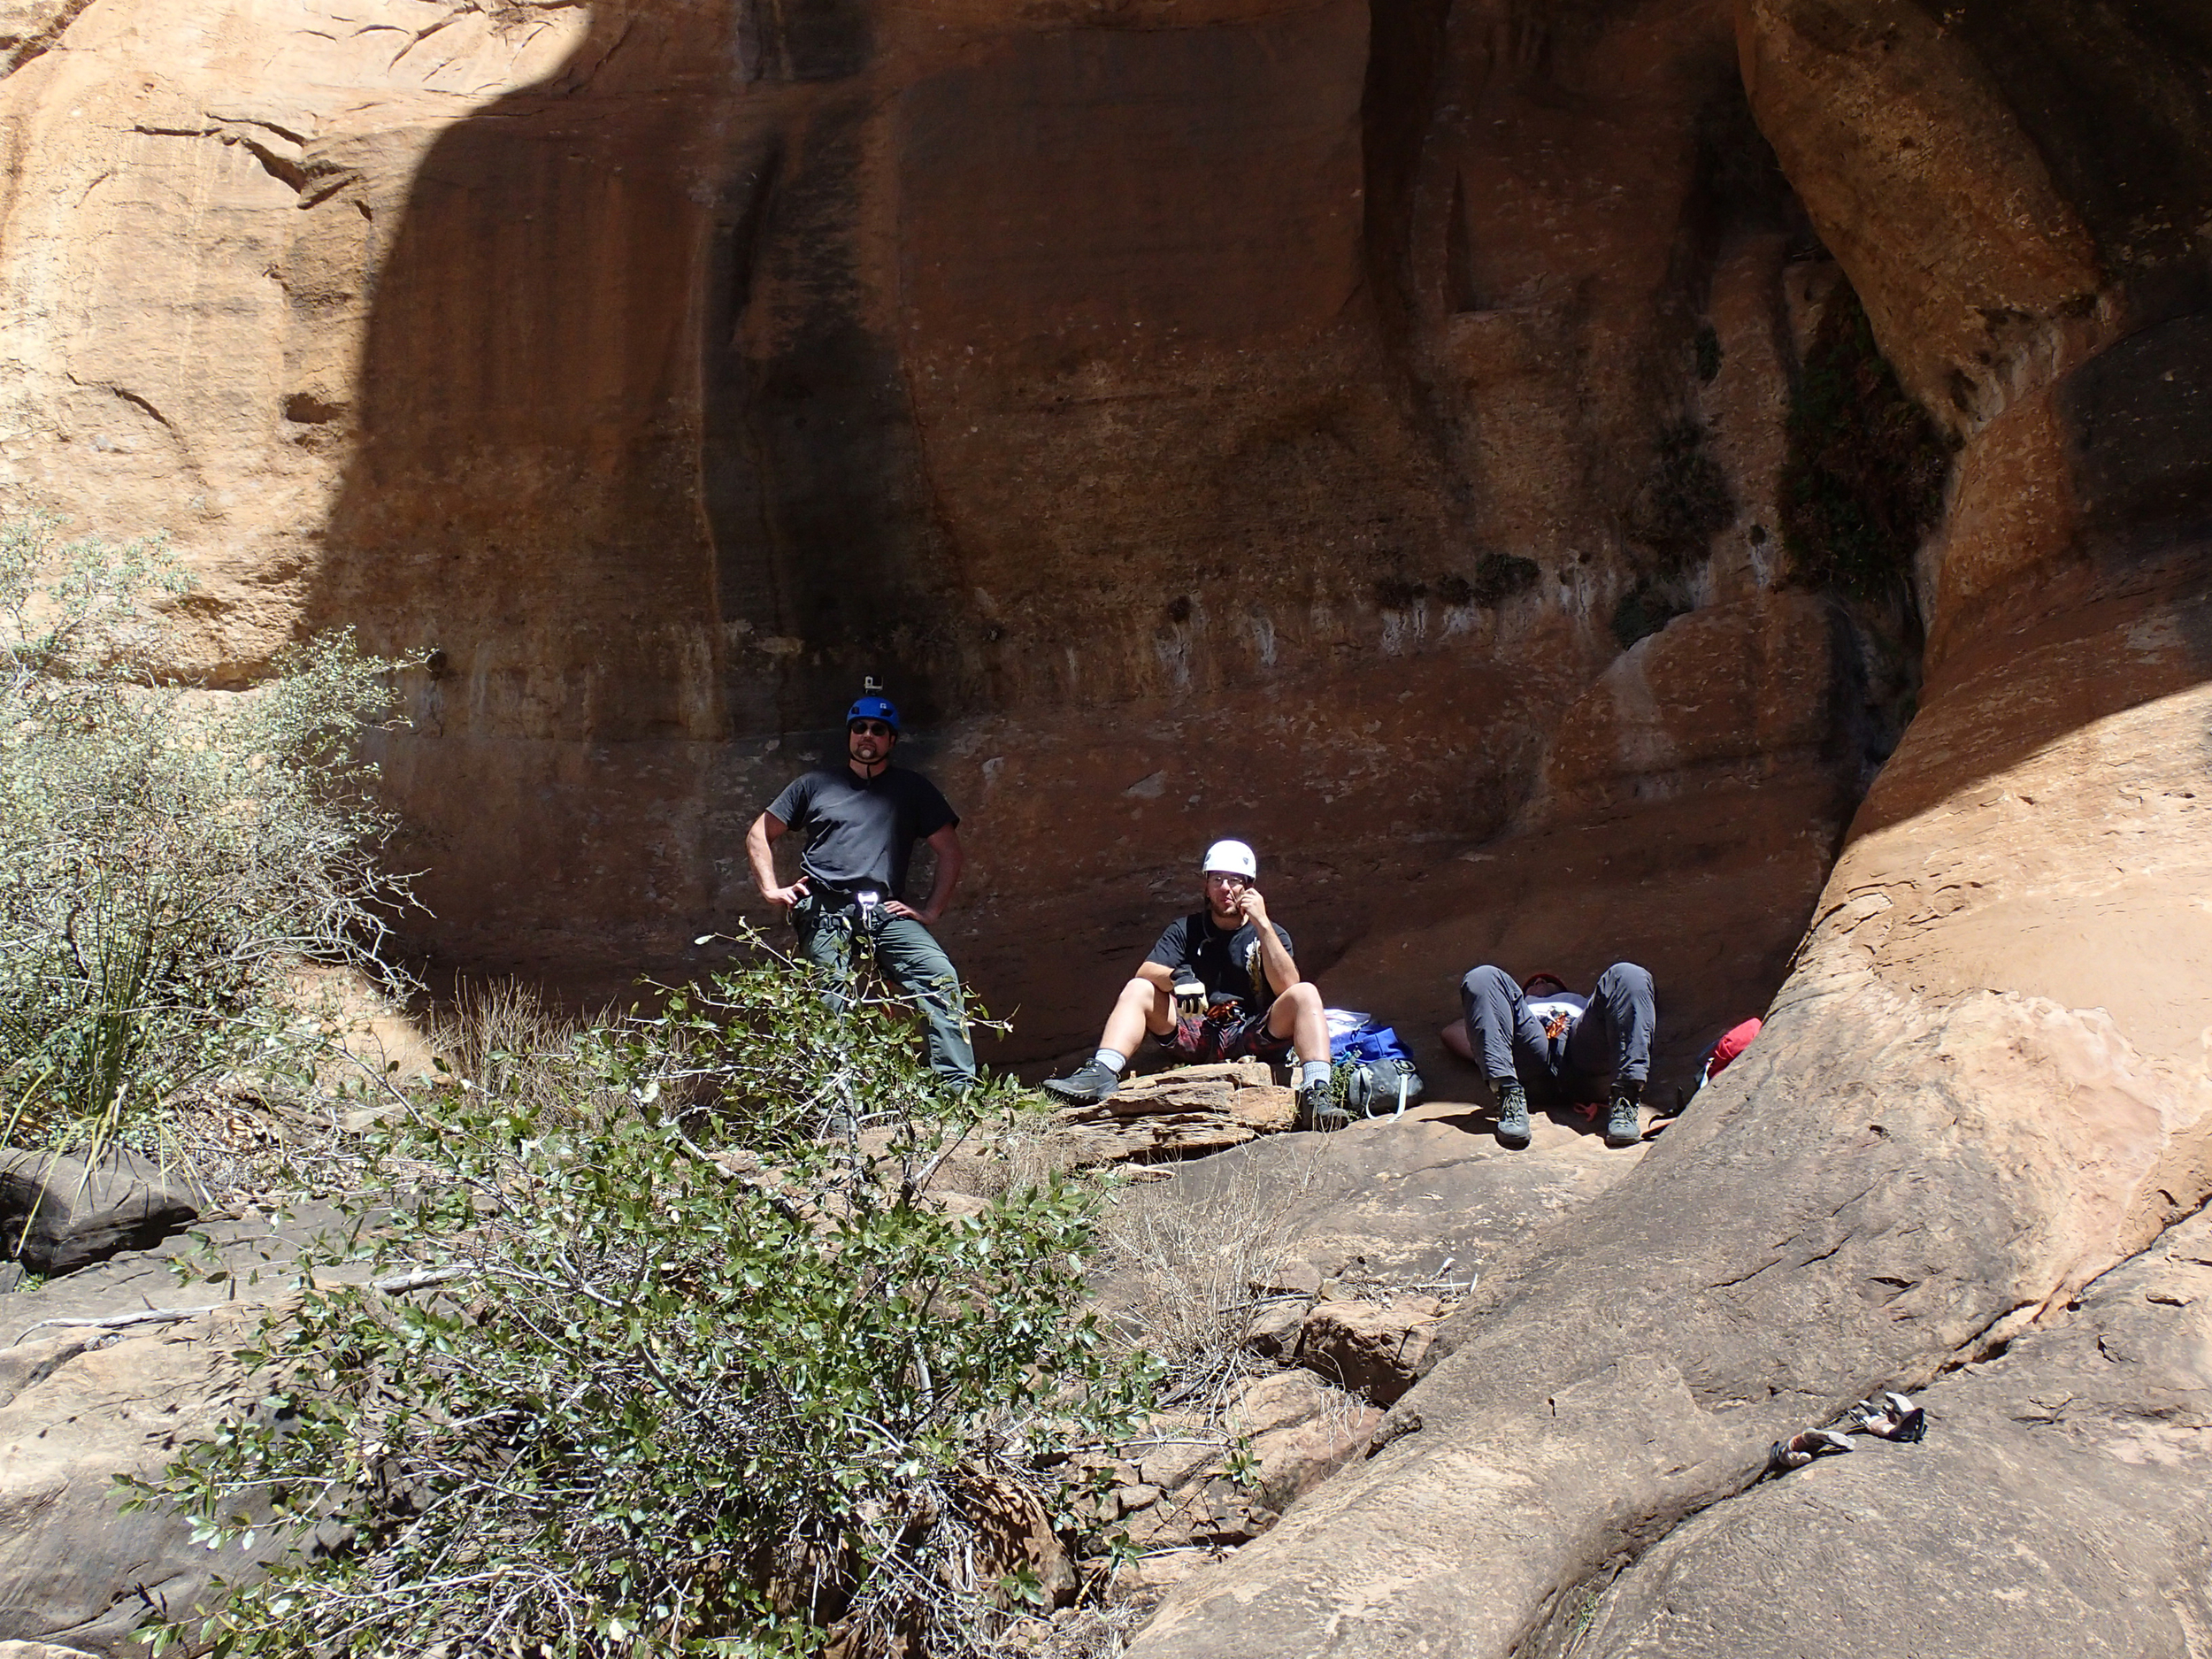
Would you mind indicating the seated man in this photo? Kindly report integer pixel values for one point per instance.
(1254, 1002)
(1539, 1039)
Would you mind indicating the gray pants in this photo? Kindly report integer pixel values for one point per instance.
(1611, 1043)
(909, 955)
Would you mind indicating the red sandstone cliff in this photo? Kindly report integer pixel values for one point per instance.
(1207, 417)
(1244, 418)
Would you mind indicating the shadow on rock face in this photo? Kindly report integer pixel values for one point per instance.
(625, 436)
(1980, 1088)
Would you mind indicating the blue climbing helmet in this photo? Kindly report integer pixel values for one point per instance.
(875, 708)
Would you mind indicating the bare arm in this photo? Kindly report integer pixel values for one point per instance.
(950, 861)
(1275, 962)
(759, 852)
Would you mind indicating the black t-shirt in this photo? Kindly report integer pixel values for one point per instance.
(1227, 963)
(861, 830)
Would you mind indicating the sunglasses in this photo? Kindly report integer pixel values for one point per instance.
(870, 728)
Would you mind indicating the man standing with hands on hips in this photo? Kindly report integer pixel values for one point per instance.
(1254, 1000)
(861, 821)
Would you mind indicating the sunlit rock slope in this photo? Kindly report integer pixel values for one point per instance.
(1984, 1084)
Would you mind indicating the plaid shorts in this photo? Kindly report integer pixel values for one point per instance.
(1206, 1039)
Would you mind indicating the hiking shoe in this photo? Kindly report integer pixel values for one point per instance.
(1512, 1114)
(1317, 1107)
(1088, 1083)
(1624, 1126)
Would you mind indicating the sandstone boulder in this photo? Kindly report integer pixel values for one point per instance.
(59, 1213)
(1290, 1461)
(1015, 1539)
(1276, 1401)
(1221, 1481)
(1187, 1113)
(77, 1409)
(1376, 1350)
(1298, 1431)
(110, 1371)
(1174, 1446)
(1275, 1325)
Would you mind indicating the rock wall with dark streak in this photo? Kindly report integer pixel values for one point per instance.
(1207, 417)
(1246, 416)
(1984, 1085)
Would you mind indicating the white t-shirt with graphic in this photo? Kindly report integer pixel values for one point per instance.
(1549, 1007)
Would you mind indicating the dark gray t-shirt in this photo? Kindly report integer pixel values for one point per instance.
(861, 831)
(1226, 963)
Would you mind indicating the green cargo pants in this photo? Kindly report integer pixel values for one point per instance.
(909, 958)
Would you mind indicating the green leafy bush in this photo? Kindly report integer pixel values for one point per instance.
(689, 1366)
(1862, 476)
(165, 854)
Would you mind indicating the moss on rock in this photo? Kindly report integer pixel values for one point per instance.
(1862, 476)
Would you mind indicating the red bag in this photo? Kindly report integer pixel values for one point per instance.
(1728, 1047)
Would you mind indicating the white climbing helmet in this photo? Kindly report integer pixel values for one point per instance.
(1231, 858)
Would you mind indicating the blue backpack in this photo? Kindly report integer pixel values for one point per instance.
(1375, 1075)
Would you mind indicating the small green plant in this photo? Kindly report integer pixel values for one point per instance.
(1863, 472)
(688, 1364)
(166, 856)
(1241, 1465)
(1585, 1603)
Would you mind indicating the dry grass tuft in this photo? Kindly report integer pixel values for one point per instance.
(1182, 1271)
(1079, 1632)
(505, 1038)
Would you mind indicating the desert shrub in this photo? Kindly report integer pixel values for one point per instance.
(505, 1036)
(1864, 471)
(164, 854)
(1683, 503)
(671, 1371)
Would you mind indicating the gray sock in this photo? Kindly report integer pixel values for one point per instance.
(1314, 1071)
(1111, 1061)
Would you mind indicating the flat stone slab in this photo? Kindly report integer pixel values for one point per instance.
(1188, 1112)
(109, 1370)
(1395, 1198)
